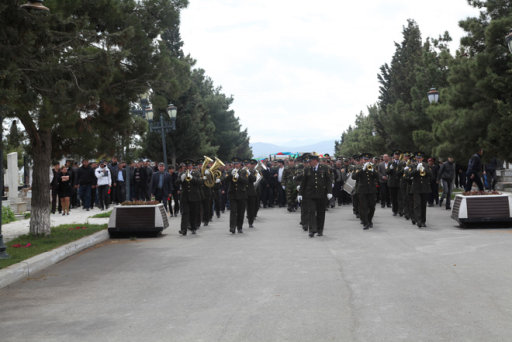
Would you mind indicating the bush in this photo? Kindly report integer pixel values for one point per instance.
(7, 215)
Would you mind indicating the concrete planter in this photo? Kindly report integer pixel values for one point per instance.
(482, 209)
(151, 219)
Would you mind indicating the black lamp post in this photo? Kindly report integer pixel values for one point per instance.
(433, 95)
(508, 40)
(164, 127)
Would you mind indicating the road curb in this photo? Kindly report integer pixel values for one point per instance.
(26, 268)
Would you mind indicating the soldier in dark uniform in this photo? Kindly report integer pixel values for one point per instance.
(355, 196)
(420, 189)
(408, 199)
(189, 181)
(252, 198)
(206, 198)
(315, 188)
(367, 179)
(237, 181)
(299, 175)
(394, 182)
(217, 195)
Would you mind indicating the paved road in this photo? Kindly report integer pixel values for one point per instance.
(273, 283)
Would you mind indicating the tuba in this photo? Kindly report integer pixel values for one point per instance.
(215, 169)
(209, 178)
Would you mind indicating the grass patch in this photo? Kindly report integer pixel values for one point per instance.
(7, 215)
(102, 215)
(60, 235)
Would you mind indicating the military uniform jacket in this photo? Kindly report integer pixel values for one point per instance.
(402, 173)
(393, 175)
(238, 189)
(190, 191)
(316, 184)
(367, 181)
(288, 176)
(421, 184)
(251, 191)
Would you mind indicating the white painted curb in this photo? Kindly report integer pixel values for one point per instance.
(39, 262)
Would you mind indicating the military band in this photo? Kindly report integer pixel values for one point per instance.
(310, 184)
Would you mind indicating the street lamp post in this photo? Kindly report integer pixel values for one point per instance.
(171, 112)
(433, 95)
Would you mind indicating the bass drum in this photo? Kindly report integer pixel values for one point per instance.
(349, 185)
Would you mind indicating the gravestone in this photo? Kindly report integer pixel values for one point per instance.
(15, 202)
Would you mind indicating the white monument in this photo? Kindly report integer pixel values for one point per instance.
(16, 203)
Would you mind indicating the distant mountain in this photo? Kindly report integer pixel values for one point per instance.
(261, 149)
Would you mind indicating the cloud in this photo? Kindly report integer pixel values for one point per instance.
(300, 70)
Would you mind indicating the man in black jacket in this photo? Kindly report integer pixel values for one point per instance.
(85, 180)
(434, 185)
(474, 171)
(140, 182)
(445, 178)
(161, 185)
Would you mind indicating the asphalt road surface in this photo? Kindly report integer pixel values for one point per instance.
(394, 282)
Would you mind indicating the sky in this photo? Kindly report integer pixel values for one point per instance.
(300, 71)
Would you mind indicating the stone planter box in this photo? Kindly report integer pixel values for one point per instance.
(482, 209)
(141, 219)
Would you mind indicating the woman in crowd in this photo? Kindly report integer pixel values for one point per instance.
(65, 179)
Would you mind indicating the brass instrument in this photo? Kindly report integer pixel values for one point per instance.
(423, 173)
(207, 161)
(261, 166)
(235, 175)
(215, 169)
(214, 174)
(188, 176)
(370, 166)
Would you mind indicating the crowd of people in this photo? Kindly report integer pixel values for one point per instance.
(200, 190)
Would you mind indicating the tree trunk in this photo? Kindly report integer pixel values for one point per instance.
(40, 213)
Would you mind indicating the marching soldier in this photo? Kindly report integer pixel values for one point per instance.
(355, 196)
(290, 187)
(315, 188)
(299, 174)
(190, 182)
(252, 198)
(407, 200)
(237, 181)
(421, 189)
(206, 198)
(367, 179)
(394, 182)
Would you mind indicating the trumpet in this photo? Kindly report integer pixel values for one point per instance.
(235, 175)
(423, 173)
(188, 176)
(370, 166)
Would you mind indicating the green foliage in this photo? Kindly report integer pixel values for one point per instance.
(103, 215)
(7, 215)
(475, 108)
(60, 235)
